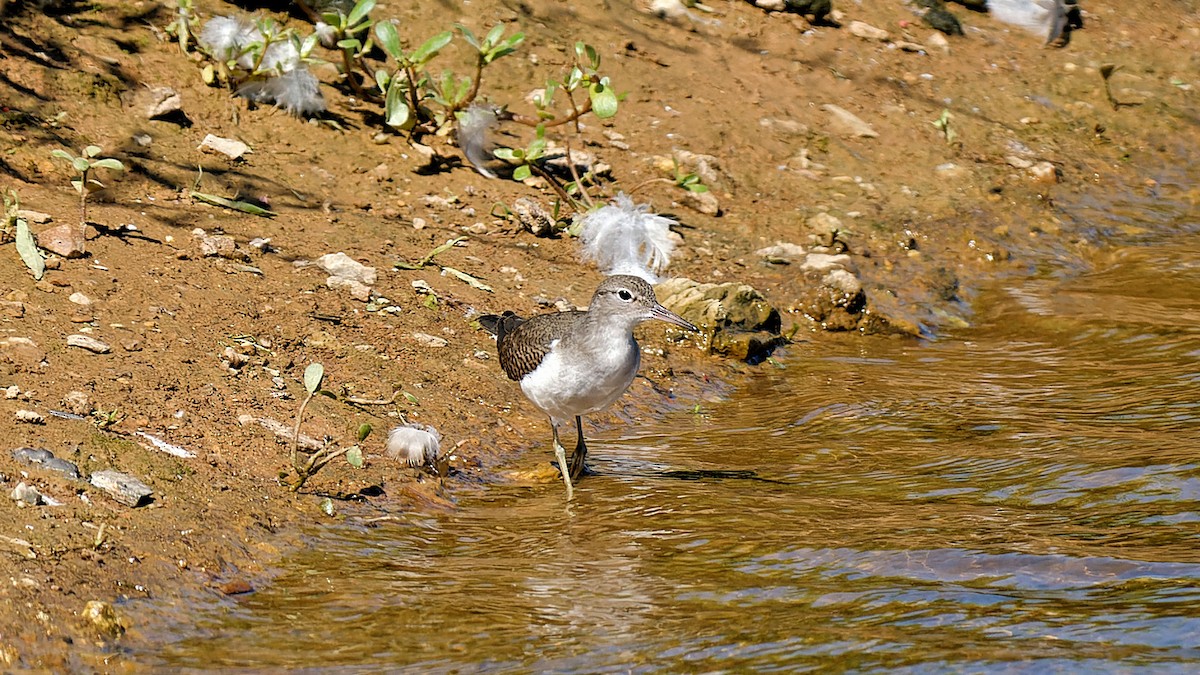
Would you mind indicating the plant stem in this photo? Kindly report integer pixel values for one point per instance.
(576, 113)
(296, 435)
(83, 190)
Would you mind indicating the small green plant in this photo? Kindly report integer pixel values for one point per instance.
(942, 124)
(184, 25)
(306, 468)
(85, 166)
(16, 229)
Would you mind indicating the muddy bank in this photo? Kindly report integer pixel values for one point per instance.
(202, 330)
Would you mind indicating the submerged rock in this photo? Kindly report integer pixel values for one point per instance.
(735, 320)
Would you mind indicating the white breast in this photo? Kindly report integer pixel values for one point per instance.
(566, 387)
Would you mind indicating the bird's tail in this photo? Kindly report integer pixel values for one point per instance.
(500, 324)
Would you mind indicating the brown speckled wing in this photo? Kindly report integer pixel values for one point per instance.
(523, 344)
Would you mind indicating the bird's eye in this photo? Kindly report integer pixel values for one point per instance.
(624, 295)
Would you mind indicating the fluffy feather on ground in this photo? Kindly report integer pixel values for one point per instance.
(282, 80)
(417, 444)
(474, 123)
(626, 238)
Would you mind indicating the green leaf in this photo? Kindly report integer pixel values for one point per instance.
(536, 149)
(389, 39)
(697, 187)
(28, 250)
(382, 78)
(463, 276)
(308, 45)
(81, 164)
(468, 35)
(63, 154)
(313, 375)
(522, 172)
(108, 163)
(506, 154)
(349, 44)
(604, 100)
(410, 398)
(431, 47)
(396, 110)
(77, 184)
(360, 11)
(493, 35)
(92, 150)
(354, 456)
(364, 430)
(244, 207)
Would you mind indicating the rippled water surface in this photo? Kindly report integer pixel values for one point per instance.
(1023, 495)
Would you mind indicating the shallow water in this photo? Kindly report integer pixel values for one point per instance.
(1023, 495)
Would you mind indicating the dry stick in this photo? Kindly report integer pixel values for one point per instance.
(562, 194)
(587, 199)
(380, 401)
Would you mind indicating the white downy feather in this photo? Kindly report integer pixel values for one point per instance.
(474, 123)
(626, 238)
(417, 444)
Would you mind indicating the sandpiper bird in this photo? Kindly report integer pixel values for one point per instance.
(573, 363)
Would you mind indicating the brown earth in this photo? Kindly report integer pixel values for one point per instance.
(742, 85)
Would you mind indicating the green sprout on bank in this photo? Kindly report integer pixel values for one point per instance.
(14, 228)
(942, 124)
(85, 166)
(183, 28)
(306, 468)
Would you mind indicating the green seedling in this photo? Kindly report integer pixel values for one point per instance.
(306, 468)
(431, 299)
(85, 165)
(184, 25)
(16, 229)
(942, 124)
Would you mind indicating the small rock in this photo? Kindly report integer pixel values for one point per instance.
(80, 299)
(161, 102)
(951, 170)
(781, 251)
(771, 5)
(121, 486)
(12, 392)
(939, 42)
(236, 587)
(21, 351)
(430, 340)
(26, 495)
(77, 402)
(12, 309)
(67, 241)
(1018, 162)
(30, 417)
(532, 217)
(867, 32)
(341, 265)
(1044, 172)
(221, 245)
(89, 343)
(35, 217)
(735, 319)
(905, 46)
(223, 146)
(104, 619)
(845, 122)
(419, 223)
(704, 202)
(46, 459)
(354, 288)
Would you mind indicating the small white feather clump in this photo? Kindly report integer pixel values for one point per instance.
(1044, 18)
(474, 125)
(626, 238)
(295, 91)
(282, 80)
(417, 444)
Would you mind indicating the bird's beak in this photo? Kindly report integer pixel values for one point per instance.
(663, 314)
